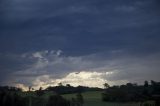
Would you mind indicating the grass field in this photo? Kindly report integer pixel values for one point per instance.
(94, 99)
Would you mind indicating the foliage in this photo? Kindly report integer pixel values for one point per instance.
(15, 97)
(57, 100)
(93, 98)
(70, 89)
(132, 92)
(40, 92)
(124, 95)
(8, 98)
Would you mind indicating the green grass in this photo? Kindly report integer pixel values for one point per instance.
(94, 99)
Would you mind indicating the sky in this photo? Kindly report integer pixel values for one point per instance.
(80, 42)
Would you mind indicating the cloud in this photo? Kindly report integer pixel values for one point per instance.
(83, 78)
(22, 86)
(125, 8)
(101, 26)
(52, 67)
(55, 38)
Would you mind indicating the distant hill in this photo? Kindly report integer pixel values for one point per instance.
(71, 89)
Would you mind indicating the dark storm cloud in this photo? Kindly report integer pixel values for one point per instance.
(115, 68)
(79, 28)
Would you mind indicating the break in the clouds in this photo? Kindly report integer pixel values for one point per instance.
(53, 39)
(48, 68)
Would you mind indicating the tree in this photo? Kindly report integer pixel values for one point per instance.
(60, 84)
(106, 85)
(146, 84)
(40, 92)
(68, 85)
(153, 82)
(30, 88)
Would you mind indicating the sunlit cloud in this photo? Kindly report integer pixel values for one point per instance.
(52, 67)
(83, 78)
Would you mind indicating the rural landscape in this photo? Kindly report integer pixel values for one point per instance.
(79, 52)
(67, 95)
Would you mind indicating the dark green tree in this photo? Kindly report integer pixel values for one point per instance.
(106, 85)
(40, 92)
(146, 84)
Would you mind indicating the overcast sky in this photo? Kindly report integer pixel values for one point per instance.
(81, 42)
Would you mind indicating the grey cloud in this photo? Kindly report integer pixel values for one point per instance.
(124, 67)
(40, 25)
(95, 35)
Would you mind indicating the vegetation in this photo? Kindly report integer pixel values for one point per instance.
(57, 100)
(94, 98)
(124, 95)
(133, 93)
(15, 97)
(12, 96)
(68, 89)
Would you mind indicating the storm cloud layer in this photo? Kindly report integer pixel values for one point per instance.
(44, 42)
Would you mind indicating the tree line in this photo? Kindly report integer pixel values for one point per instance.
(12, 96)
(51, 96)
(133, 92)
(68, 89)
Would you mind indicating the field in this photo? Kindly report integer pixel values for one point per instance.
(94, 99)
